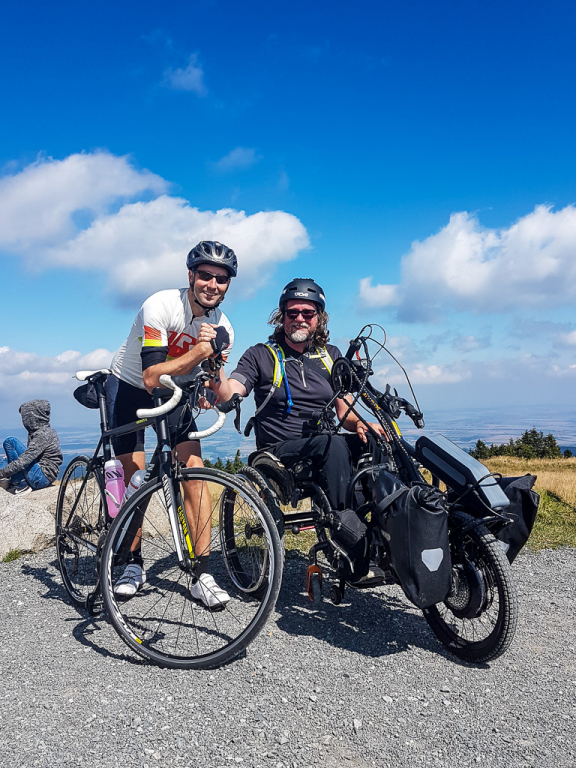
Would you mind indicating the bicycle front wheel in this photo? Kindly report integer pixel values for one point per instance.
(477, 621)
(80, 519)
(166, 621)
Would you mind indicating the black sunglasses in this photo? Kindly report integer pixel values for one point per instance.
(207, 276)
(307, 314)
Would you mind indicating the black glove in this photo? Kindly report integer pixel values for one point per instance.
(222, 340)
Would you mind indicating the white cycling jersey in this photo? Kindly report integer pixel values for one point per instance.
(164, 320)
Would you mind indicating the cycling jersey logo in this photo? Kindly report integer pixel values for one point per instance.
(179, 343)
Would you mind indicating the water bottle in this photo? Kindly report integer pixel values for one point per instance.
(115, 487)
(135, 483)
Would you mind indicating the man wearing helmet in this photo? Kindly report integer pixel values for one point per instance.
(172, 333)
(290, 377)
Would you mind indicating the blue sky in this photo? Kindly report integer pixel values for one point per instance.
(417, 159)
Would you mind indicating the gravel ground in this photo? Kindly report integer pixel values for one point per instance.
(360, 684)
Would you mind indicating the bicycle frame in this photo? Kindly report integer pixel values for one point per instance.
(161, 466)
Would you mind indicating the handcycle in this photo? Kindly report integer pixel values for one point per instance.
(162, 622)
(477, 617)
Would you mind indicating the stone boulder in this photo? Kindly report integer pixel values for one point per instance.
(27, 522)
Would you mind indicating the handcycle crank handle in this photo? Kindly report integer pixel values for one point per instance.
(166, 380)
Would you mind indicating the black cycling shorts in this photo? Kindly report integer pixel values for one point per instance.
(125, 400)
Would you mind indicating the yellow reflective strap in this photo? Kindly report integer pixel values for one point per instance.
(277, 380)
(396, 428)
(323, 356)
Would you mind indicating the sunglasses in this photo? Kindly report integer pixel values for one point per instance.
(307, 314)
(207, 276)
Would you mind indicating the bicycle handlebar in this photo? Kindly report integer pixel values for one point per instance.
(218, 424)
(223, 409)
(160, 410)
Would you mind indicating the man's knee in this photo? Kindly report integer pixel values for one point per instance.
(333, 448)
(190, 453)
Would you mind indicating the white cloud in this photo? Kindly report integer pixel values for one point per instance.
(26, 376)
(190, 78)
(569, 338)
(141, 247)
(37, 205)
(30, 375)
(378, 295)
(421, 374)
(471, 343)
(237, 160)
(465, 267)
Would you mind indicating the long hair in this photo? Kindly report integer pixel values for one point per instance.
(321, 334)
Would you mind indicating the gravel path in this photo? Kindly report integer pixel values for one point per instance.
(362, 684)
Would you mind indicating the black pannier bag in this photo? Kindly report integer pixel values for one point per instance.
(522, 510)
(351, 532)
(414, 524)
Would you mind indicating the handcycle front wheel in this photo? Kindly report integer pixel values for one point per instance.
(164, 621)
(80, 520)
(245, 563)
(477, 621)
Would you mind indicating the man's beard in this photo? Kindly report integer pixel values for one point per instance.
(300, 335)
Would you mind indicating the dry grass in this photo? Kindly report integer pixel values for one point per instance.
(557, 476)
(555, 524)
(556, 521)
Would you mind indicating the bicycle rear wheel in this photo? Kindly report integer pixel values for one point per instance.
(80, 519)
(477, 621)
(163, 622)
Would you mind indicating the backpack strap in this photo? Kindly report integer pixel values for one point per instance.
(279, 375)
(323, 355)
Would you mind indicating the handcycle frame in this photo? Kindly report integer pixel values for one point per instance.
(479, 564)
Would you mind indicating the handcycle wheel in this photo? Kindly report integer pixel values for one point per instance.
(268, 496)
(244, 561)
(80, 519)
(163, 622)
(477, 621)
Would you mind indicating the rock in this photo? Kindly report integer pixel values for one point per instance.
(27, 522)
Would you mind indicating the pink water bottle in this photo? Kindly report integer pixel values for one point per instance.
(115, 487)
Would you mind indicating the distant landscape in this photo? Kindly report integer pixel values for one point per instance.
(463, 426)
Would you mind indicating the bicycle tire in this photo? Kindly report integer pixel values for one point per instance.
(162, 622)
(477, 621)
(80, 520)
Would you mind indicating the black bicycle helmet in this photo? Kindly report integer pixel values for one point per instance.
(303, 288)
(212, 252)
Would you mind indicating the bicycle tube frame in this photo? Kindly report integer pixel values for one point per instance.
(161, 467)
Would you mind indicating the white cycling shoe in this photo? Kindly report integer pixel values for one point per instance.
(133, 578)
(208, 592)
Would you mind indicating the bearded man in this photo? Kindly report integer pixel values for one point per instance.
(290, 378)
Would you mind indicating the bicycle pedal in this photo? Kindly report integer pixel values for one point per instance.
(95, 607)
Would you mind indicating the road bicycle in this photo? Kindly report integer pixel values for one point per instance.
(475, 618)
(174, 509)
